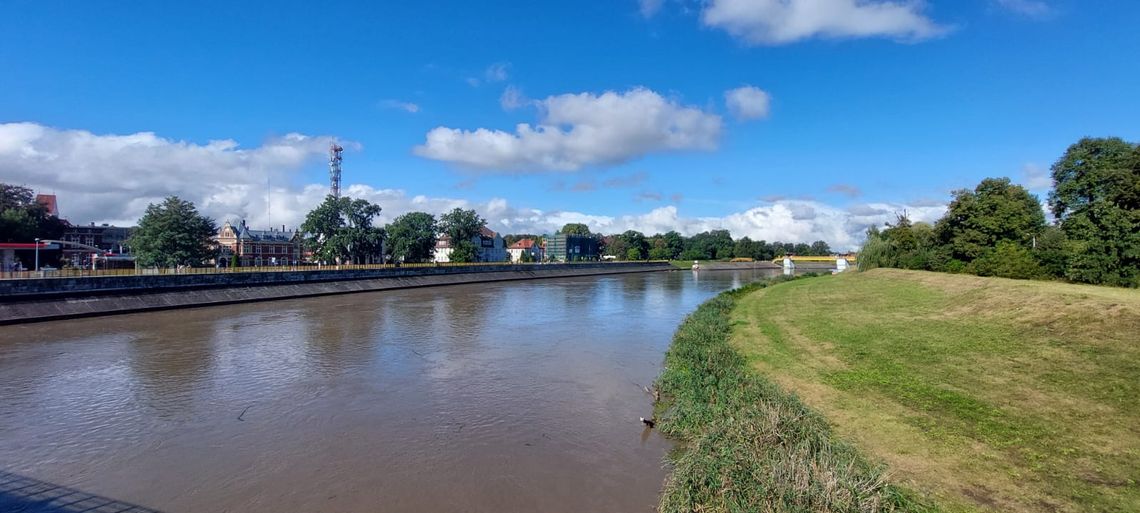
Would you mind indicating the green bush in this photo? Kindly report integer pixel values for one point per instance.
(1007, 260)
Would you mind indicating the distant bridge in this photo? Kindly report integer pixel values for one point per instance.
(851, 259)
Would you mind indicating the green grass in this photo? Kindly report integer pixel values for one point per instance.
(983, 394)
(746, 445)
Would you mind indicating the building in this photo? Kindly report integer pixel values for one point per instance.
(489, 247)
(49, 203)
(258, 247)
(112, 240)
(526, 247)
(572, 248)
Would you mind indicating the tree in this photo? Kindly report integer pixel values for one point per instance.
(674, 243)
(634, 242)
(1092, 170)
(996, 210)
(340, 230)
(173, 233)
(23, 219)
(820, 248)
(461, 226)
(412, 237)
(745, 248)
(575, 229)
(1096, 200)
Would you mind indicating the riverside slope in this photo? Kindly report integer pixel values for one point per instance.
(985, 394)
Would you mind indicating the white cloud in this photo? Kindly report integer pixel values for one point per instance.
(497, 72)
(784, 220)
(1036, 178)
(747, 102)
(649, 8)
(513, 98)
(774, 22)
(1030, 8)
(397, 104)
(578, 130)
(112, 178)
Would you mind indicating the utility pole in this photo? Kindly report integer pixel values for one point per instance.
(334, 169)
(37, 254)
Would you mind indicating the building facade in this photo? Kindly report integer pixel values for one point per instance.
(489, 247)
(572, 248)
(534, 251)
(258, 247)
(112, 240)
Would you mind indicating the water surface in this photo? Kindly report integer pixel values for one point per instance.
(518, 396)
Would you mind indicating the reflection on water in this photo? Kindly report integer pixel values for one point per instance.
(491, 397)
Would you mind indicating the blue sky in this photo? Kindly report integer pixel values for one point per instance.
(849, 111)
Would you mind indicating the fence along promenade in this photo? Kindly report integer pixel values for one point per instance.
(170, 271)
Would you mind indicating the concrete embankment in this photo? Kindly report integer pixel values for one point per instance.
(737, 266)
(34, 300)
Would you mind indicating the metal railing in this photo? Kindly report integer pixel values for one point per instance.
(165, 271)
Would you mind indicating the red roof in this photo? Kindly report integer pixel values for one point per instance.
(48, 200)
(523, 244)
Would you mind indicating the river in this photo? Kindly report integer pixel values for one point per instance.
(517, 396)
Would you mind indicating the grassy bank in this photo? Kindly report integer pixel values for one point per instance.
(984, 394)
(746, 445)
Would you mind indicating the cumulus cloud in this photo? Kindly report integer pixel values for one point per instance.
(400, 105)
(1029, 8)
(578, 130)
(112, 178)
(774, 22)
(786, 220)
(1036, 177)
(747, 102)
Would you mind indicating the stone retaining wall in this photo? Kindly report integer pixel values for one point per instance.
(61, 298)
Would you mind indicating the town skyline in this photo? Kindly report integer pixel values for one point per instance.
(663, 116)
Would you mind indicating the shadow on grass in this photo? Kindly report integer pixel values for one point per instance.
(22, 494)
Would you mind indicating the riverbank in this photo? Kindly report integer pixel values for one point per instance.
(747, 445)
(984, 394)
(33, 300)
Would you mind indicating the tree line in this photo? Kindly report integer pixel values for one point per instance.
(1000, 229)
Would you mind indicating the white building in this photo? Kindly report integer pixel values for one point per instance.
(526, 246)
(489, 247)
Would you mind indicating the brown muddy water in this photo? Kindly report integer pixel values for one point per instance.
(498, 397)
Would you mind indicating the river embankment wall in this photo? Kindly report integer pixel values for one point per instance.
(44, 299)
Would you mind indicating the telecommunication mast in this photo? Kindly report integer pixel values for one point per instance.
(334, 169)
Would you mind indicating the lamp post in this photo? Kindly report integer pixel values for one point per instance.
(37, 254)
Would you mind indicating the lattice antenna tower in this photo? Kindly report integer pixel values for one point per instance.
(334, 169)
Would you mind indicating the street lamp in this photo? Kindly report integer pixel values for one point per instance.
(37, 254)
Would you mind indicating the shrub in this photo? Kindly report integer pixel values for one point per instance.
(1007, 260)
